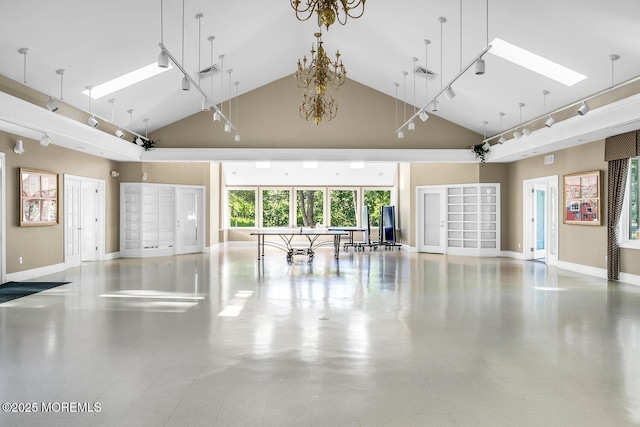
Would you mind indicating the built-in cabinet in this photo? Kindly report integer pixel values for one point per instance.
(469, 223)
(149, 224)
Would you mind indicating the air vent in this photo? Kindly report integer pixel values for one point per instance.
(209, 71)
(549, 159)
(423, 72)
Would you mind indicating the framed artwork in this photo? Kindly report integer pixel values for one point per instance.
(38, 204)
(582, 198)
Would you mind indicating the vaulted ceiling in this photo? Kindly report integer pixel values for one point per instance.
(262, 40)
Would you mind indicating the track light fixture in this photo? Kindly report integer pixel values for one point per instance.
(401, 135)
(424, 116)
(227, 127)
(550, 121)
(517, 134)
(584, 108)
(19, 148)
(526, 131)
(480, 66)
(450, 94)
(412, 125)
(186, 84)
(502, 139)
(51, 105)
(139, 141)
(237, 137)
(119, 133)
(217, 116)
(486, 146)
(45, 140)
(163, 60)
(435, 105)
(93, 122)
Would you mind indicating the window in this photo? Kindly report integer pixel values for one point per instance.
(629, 231)
(309, 208)
(373, 199)
(242, 208)
(343, 208)
(275, 208)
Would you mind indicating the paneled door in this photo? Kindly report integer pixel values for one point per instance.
(190, 220)
(431, 220)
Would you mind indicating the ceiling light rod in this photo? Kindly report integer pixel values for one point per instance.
(566, 107)
(24, 126)
(444, 89)
(193, 82)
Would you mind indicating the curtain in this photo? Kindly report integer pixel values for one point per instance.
(616, 183)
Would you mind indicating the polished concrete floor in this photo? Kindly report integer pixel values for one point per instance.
(377, 339)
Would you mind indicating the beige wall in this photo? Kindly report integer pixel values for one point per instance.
(580, 244)
(268, 118)
(44, 246)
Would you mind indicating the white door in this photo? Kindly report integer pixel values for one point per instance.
(431, 220)
(190, 220)
(539, 221)
(89, 215)
(72, 223)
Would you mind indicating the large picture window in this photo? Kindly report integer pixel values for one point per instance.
(275, 208)
(373, 200)
(632, 232)
(344, 208)
(242, 208)
(309, 208)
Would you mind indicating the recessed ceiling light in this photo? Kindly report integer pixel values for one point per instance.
(126, 80)
(536, 63)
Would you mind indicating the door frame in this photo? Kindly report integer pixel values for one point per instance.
(550, 233)
(202, 223)
(100, 213)
(420, 217)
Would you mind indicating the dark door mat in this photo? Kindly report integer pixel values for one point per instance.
(13, 290)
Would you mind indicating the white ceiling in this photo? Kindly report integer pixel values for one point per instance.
(262, 40)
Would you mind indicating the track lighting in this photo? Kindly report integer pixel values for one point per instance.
(119, 133)
(227, 126)
(19, 148)
(217, 116)
(411, 125)
(517, 134)
(51, 105)
(502, 139)
(163, 60)
(450, 93)
(480, 67)
(435, 106)
(237, 137)
(550, 121)
(424, 116)
(584, 108)
(93, 122)
(401, 135)
(139, 141)
(186, 84)
(486, 146)
(45, 140)
(205, 105)
(526, 131)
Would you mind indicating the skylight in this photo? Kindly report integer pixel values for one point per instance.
(536, 63)
(126, 80)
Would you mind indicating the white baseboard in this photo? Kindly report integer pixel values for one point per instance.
(238, 243)
(409, 248)
(584, 269)
(112, 255)
(631, 279)
(36, 272)
(512, 254)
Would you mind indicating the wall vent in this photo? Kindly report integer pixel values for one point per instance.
(423, 72)
(209, 71)
(549, 159)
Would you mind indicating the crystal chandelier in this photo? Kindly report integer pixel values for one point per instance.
(328, 10)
